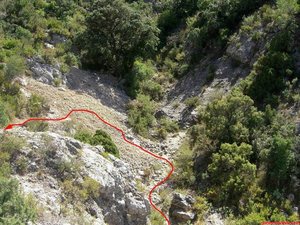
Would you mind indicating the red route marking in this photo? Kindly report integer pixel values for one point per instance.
(11, 126)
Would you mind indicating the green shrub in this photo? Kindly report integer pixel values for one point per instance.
(80, 192)
(15, 209)
(166, 126)
(140, 114)
(99, 138)
(67, 169)
(141, 72)
(11, 145)
(15, 66)
(83, 136)
(200, 206)
(36, 105)
(102, 138)
(156, 218)
(90, 188)
(184, 162)
(192, 102)
(4, 119)
(57, 82)
(21, 165)
(153, 89)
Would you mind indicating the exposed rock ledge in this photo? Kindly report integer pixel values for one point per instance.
(119, 203)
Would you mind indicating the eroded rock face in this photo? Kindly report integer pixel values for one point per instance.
(181, 208)
(119, 203)
(43, 72)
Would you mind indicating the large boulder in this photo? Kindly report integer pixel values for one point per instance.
(44, 72)
(181, 208)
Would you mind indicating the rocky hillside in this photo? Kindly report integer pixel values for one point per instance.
(50, 160)
(211, 85)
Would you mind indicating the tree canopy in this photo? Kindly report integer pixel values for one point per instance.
(117, 34)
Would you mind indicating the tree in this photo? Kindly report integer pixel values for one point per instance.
(116, 34)
(231, 119)
(230, 173)
(280, 162)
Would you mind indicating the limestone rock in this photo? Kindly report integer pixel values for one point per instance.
(43, 72)
(181, 208)
(119, 202)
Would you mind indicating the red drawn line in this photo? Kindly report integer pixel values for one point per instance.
(11, 126)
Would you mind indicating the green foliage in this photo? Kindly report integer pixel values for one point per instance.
(141, 114)
(215, 20)
(90, 188)
(81, 192)
(166, 126)
(230, 173)
(14, 208)
(15, 66)
(156, 218)
(11, 146)
(140, 72)
(232, 119)
(184, 175)
(83, 136)
(4, 119)
(270, 74)
(184, 8)
(200, 206)
(192, 102)
(21, 165)
(66, 169)
(110, 44)
(280, 163)
(99, 138)
(36, 105)
(102, 138)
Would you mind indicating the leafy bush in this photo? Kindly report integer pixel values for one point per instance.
(141, 114)
(102, 138)
(167, 125)
(140, 73)
(192, 102)
(230, 174)
(90, 188)
(99, 138)
(270, 75)
(15, 209)
(11, 146)
(156, 218)
(21, 165)
(4, 119)
(81, 192)
(15, 66)
(184, 162)
(36, 105)
(153, 89)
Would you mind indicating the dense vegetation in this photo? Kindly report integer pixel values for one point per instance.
(99, 138)
(243, 153)
(14, 207)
